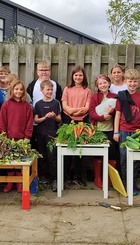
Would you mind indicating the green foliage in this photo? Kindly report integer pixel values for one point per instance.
(124, 19)
(132, 141)
(65, 135)
(20, 150)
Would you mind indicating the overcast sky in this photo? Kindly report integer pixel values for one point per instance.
(87, 16)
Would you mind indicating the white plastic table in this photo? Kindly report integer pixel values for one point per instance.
(86, 150)
(132, 155)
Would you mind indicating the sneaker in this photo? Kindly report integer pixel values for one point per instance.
(54, 186)
(77, 182)
(67, 184)
(135, 191)
(43, 180)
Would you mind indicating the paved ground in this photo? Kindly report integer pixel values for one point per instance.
(74, 219)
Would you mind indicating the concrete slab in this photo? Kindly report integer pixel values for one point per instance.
(74, 219)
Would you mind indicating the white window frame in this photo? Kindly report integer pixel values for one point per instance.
(52, 40)
(25, 35)
(1, 30)
(45, 38)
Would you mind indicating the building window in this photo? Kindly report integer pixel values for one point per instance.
(1, 30)
(30, 34)
(52, 40)
(49, 39)
(45, 38)
(25, 35)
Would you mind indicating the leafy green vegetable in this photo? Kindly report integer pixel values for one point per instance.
(20, 150)
(65, 135)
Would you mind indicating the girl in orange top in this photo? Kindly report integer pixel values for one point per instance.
(76, 97)
(75, 102)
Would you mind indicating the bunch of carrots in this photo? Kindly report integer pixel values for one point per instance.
(80, 128)
(73, 134)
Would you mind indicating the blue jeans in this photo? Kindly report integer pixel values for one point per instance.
(123, 159)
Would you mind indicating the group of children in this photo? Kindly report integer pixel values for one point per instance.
(78, 103)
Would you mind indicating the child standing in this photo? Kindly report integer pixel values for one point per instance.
(118, 84)
(117, 75)
(104, 122)
(4, 72)
(127, 119)
(75, 102)
(1, 98)
(76, 97)
(33, 89)
(8, 80)
(16, 120)
(47, 116)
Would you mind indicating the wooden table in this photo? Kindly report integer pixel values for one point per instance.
(26, 178)
(86, 150)
(132, 155)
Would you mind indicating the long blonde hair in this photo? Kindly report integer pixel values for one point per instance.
(11, 90)
(118, 66)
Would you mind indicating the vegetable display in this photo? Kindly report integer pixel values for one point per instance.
(132, 141)
(11, 150)
(73, 134)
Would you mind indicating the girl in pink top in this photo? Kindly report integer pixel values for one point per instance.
(75, 102)
(76, 97)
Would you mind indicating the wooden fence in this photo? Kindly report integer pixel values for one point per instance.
(95, 58)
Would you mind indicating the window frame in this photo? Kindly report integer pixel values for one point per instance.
(23, 34)
(1, 30)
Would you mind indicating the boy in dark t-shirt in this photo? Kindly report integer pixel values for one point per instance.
(47, 116)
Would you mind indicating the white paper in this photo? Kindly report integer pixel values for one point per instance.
(101, 109)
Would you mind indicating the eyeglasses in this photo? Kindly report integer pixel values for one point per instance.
(44, 70)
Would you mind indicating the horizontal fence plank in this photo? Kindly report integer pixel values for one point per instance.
(22, 59)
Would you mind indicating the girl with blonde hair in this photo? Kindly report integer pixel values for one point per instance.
(16, 120)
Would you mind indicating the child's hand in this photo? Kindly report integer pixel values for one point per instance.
(50, 115)
(109, 109)
(53, 114)
(107, 116)
(116, 137)
(81, 111)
